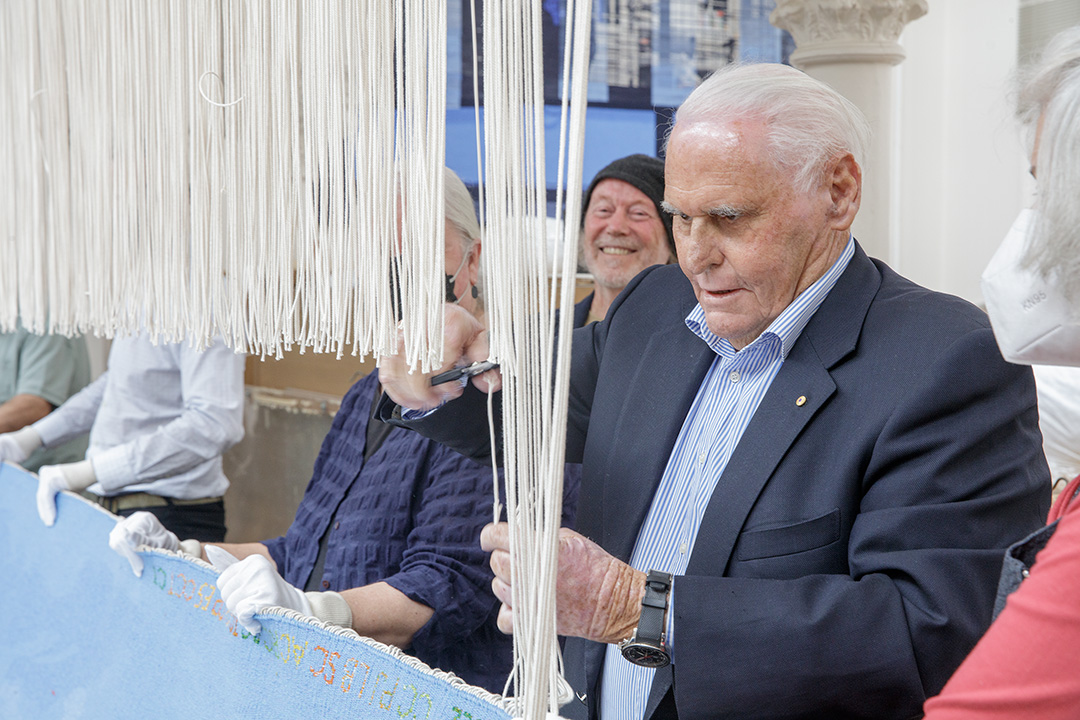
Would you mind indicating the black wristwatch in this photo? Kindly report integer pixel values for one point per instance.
(646, 647)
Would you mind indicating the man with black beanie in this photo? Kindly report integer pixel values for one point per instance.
(624, 230)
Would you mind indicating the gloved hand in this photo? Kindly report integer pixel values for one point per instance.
(17, 446)
(140, 528)
(54, 478)
(253, 584)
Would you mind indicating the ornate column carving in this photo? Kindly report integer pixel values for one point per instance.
(827, 31)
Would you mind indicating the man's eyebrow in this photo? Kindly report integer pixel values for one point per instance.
(726, 211)
(669, 208)
(720, 211)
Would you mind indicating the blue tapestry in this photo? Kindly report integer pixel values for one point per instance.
(82, 637)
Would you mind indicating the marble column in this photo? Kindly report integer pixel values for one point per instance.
(853, 46)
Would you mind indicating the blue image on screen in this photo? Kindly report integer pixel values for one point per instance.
(645, 59)
(610, 133)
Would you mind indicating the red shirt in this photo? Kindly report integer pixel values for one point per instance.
(1028, 663)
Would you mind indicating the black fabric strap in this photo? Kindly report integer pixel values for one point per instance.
(651, 624)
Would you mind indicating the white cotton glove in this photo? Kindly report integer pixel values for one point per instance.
(141, 529)
(17, 446)
(253, 584)
(54, 478)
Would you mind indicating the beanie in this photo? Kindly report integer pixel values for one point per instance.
(643, 172)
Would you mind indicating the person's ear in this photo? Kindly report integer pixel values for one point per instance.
(844, 180)
(473, 264)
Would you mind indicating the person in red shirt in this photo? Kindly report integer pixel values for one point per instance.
(1025, 665)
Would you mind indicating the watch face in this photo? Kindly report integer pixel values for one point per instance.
(645, 655)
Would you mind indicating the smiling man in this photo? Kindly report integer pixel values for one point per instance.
(800, 470)
(624, 230)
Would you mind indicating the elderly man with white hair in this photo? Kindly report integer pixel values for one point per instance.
(799, 468)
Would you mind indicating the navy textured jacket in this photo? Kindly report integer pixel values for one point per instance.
(411, 516)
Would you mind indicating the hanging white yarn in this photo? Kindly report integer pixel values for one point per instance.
(418, 162)
(91, 218)
(206, 119)
(218, 167)
(18, 162)
(522, 318)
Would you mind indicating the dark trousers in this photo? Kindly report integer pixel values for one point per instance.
(205, 522)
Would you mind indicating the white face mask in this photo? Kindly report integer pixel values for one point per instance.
(1032, 321)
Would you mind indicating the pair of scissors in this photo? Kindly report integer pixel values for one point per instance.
(465, 371)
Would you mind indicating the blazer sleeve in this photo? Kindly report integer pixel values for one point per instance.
(953, 476)
(462, 424)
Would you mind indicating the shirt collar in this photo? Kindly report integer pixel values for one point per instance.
(789, 324)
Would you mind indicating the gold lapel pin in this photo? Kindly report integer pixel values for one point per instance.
(801, 401)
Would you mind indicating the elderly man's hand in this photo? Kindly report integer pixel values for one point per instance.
(464, 342)
(597, 596)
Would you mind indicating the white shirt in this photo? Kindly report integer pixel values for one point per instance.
(159, 418)
(1059, 418)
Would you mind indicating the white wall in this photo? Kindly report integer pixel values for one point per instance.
(98, 350)
(962, 168)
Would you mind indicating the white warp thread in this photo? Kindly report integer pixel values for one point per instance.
(522, 319)
(223, 167)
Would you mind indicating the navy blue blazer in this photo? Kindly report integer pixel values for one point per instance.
(581, 310)
(848, 558)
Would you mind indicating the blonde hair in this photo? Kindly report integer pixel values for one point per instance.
(461, 213)
(459, 209)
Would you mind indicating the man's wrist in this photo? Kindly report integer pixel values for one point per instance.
(622, 623)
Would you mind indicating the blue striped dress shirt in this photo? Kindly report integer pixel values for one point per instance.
(726, 400)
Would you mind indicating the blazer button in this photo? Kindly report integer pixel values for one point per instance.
(325, 584)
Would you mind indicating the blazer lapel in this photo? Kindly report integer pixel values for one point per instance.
(774, 427)
(674, 363)
(801, 387)
(661, 682)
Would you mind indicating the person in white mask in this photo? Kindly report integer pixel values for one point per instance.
(1025, 665)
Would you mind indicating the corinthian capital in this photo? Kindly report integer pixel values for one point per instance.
(868, 28)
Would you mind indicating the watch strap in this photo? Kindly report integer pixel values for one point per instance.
(652, 623)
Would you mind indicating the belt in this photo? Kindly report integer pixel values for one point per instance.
(132, 501)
